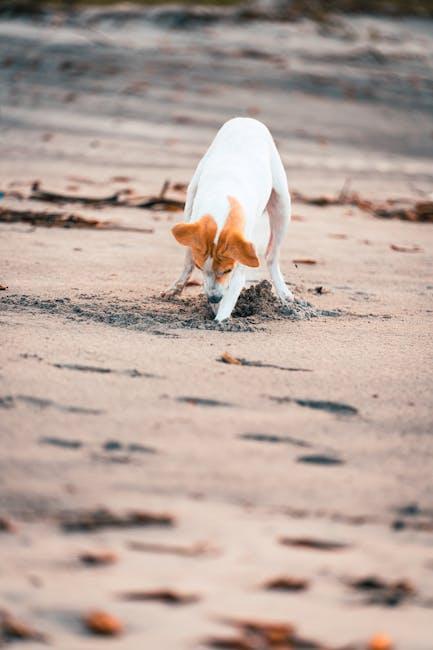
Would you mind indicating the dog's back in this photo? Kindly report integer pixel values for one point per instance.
(237, 162)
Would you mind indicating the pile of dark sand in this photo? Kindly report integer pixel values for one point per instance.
(255, 306)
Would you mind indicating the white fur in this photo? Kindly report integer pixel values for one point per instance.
(242, 162)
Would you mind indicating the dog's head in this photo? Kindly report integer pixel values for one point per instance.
(217, 259)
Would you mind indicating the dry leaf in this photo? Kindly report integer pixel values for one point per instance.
(313, 544)
(194, 283)
(167, 596)
(253, 635)
(304, 261)
(3, 287)
(287, 584)
(100, 622)
(405, 249)
(273, 633)
(228, 358)
(380, 642)
(98, 558)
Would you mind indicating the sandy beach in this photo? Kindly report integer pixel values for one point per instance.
(312, 461)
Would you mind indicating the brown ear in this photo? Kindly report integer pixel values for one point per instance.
(198, 235)
(242, 250)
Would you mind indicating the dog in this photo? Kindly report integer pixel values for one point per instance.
(239, 182)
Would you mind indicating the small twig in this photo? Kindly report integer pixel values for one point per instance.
(164, 188)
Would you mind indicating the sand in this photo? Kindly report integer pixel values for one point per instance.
(111, 397)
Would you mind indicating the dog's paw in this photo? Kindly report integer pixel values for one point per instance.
(170, 293)
(287, 297)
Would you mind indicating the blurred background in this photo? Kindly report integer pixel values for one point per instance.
(346, 87)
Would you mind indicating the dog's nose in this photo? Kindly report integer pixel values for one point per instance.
(214, 298)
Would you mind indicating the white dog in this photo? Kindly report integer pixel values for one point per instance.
(239, 180)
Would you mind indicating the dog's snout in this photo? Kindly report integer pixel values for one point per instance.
(214, 298)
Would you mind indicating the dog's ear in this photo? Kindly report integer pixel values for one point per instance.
(199, 235)
(241, 250)
(232, 243)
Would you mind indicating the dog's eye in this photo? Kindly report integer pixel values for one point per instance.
(227, 271)
(198, 267)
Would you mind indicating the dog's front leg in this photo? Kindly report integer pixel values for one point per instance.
(230, 299)
(179, 285)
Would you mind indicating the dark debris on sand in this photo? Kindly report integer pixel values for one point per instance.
(264, 635)
(14, 629)
(256, 306)
(102, 518)
(378, 591)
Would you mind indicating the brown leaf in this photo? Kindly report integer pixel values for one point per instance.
(270, 632)
(405, 249)
(304, 261)
(3, 287)
(313, 544)
(287, 583)
(98, 558)
(238, 361)
(167, 596)
(228, 358)
(102, 623)
(380, 642)
(13, 629)
(194, 283)
(264, 635)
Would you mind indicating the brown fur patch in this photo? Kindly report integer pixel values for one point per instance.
(199, 236)
(232, 246)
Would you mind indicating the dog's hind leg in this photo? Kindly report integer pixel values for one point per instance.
(278, 209)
